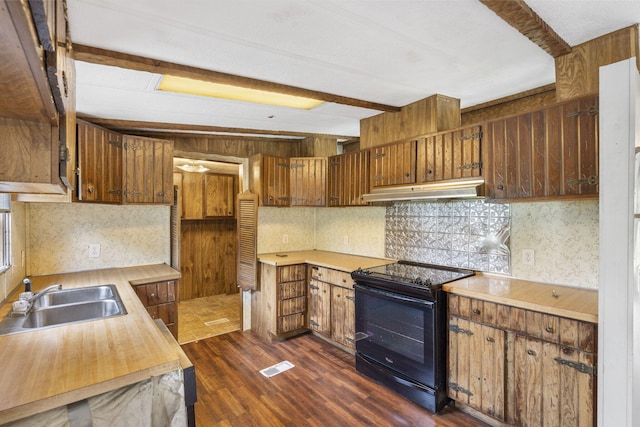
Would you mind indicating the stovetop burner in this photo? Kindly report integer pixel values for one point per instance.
(410, 275)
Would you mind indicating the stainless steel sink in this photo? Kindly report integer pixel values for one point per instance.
(61, 314)
(76, 295)
(65, 307)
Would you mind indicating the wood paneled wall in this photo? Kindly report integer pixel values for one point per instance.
(237, 147)
(208, 258)
(318, 147)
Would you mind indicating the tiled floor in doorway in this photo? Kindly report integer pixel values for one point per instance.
(201, 318)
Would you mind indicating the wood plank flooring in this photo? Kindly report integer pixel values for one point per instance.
(323, 389)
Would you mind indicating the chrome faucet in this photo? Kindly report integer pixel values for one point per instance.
(37, 295)
(23, 306)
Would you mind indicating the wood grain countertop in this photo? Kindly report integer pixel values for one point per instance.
(335, 260)
(52, 367)
(572, 302)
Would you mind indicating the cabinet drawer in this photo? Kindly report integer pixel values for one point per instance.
(292, 289)
(329, 275)
(156, 293)
(290, 322)
(292, 305)
(291, 273)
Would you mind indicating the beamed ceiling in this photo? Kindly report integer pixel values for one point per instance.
(361, 57)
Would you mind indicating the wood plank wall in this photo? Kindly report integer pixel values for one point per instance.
(236, 147)
(208, 258)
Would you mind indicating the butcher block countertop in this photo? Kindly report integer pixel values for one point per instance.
(52, 367)
(335, 260)
(565, 301)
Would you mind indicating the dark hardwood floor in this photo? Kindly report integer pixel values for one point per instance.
(323, 389)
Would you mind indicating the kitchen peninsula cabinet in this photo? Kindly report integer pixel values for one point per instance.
(279, 305)
(544, 154)
(393, 164)
(521, 366)
(332, 305)
(123, 169)
(295, 181)
(160, 300)
(348, 178)
(449, 155)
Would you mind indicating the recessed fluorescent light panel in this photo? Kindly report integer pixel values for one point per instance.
(236, 93)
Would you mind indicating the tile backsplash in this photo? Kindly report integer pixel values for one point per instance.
(468, 234)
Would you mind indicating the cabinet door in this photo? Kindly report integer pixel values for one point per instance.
(477, 366)
(580, 146)
(99, 164)
(554, 385)
(335, 181)
(219, 195)
(320, 307)
(348, 178)
(547, 153)
(148, 166)
(308, 181)
(449, 155)
(343, 316)
(275, 181)
(192, 193)
(393, 164)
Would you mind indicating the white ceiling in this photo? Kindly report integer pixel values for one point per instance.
(391, 52)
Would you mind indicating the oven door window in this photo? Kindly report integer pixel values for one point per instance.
(396, 331)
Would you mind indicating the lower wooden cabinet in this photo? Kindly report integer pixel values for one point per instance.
(291, 298)
(160, 300)
(332, 305)
(521, 367)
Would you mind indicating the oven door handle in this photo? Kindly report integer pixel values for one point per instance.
(392, 295)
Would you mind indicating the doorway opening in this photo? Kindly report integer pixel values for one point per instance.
(204, 247)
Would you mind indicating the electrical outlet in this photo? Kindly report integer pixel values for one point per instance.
(345, 241)
(528, 257)
(285, 238)
(94, 251)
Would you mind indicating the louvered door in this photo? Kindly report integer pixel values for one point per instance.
(247, 263)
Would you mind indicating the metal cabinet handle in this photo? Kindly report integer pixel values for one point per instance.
(476, 311)
(500, 187)
(531, 352)
(549, 329)
(490, 339)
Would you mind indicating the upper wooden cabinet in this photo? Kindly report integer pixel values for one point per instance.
(393, 164)
(148, 170)
(348, 178)
(99, 164)
(449, 155)
(115, 168)
(37, 107)
(208, 195)
(219, 195)
(308, 181)
(295, 181)
(270, 179)
(548, 153)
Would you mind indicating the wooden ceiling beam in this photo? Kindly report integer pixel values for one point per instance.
(521, 17)
(132, 125)
(96, 55)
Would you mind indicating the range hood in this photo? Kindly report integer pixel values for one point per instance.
(451, 189)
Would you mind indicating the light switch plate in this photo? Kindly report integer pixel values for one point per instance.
(94, 251)
(528, 257)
